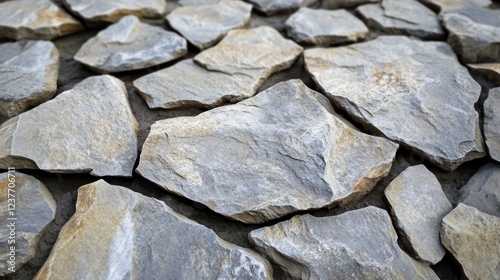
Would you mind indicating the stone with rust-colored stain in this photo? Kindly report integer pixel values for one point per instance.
(482, 191)
(492, 123)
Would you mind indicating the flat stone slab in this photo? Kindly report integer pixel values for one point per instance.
(28, 75)
(335, 4)
(205, 25)
(402, 17)
(270, 7)
(35, 209)
(473, 238)
(359, 244)
(482, 191)
(87, 129)
(35, 19)
(490, 70)
(407, 90)
(325, 27)
(418, 205)
(130, 45)
(446, 5)
(492, 123)
(282, 151)
(142, 236)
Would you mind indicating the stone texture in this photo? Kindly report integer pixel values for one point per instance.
(35, 19)
(402, 17)
(120, 234)
(483, 190)
(35, 209)
(418, 205)
(325, 27)
(130, 45)
(28, 75)
(413, 92)
(270, 7)
(335, 4)
(96, 11)
(281, 151)
(446, 5)
(490, 70)
(89, 128)
(474, 33)
(197, 2)
(205, 25)
(492, 123)
(473, 238)
(359, 244)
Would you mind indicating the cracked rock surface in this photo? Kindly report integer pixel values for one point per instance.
(492, 123)
(482, 191)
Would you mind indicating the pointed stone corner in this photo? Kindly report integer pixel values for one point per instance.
(117, 233)
(359, 244)
(36, 208)
(492, 123)
(407, 90)
(447, 5)
(89, 128)
(282, 151)
(482, 191)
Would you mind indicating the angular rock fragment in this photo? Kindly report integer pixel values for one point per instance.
(492, 123)
(418, 205)
(205, 25)
(281, 151)
(325, 27)
(446, 5)
(359, 244)
(28, 75)
(89, 128)
(130, 45)
(120, 234)
(335, 4)
(270, 7)
(473, 238)
(35, 19)
(490, 70)
(197, 2)
(482, 191)
(402, 17)
(413, 92)
(35, 210)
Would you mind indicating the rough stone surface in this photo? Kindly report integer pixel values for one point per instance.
(325, 27)
(335, 4)
(474, 33)
(205, 25)
(359, 244)
(490, 70)
(402, 17)
(197, 2)
(492, 123)
(418, 205)
(89, 128)
(413, 92)
(270, 7)
(446, 5)
(483, 190)
(130, 45)
(281, 151)
(35, 209)
(28, 75)
(96, 11)
(120, 234)
(35, 19)
(473, 238)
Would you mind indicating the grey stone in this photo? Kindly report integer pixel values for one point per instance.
(325, 27)
(35, 19)
(490, 70)
(205, 25)
(335, 4)
(418, 205)
(120, 234)
(130, 45)
(282, 151)
(473, 238)
(359, 244)
(402, 17)
(492, 123)
(270, 7)
(28, 75)
(446, 5)
(35, 209)
(89, 128)
(482, 191)
(413, 92)
(197, 2)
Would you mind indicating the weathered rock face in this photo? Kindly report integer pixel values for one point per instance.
(360, 244)
(138, 235)
(483, 191)
(335, 4)
(492, 123)
(418, 205)
(270, 7)
(325, 27)
(28, 75)
(446, 5)
(205, 25)
(490, 70)
(35, 210)
(129, 45)
(276, 153)
(95, 11)
(35, 19)
(197, 2)
(408, 90)
(404, 17)
(474, 33)
(473, 238)
(89, 128)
